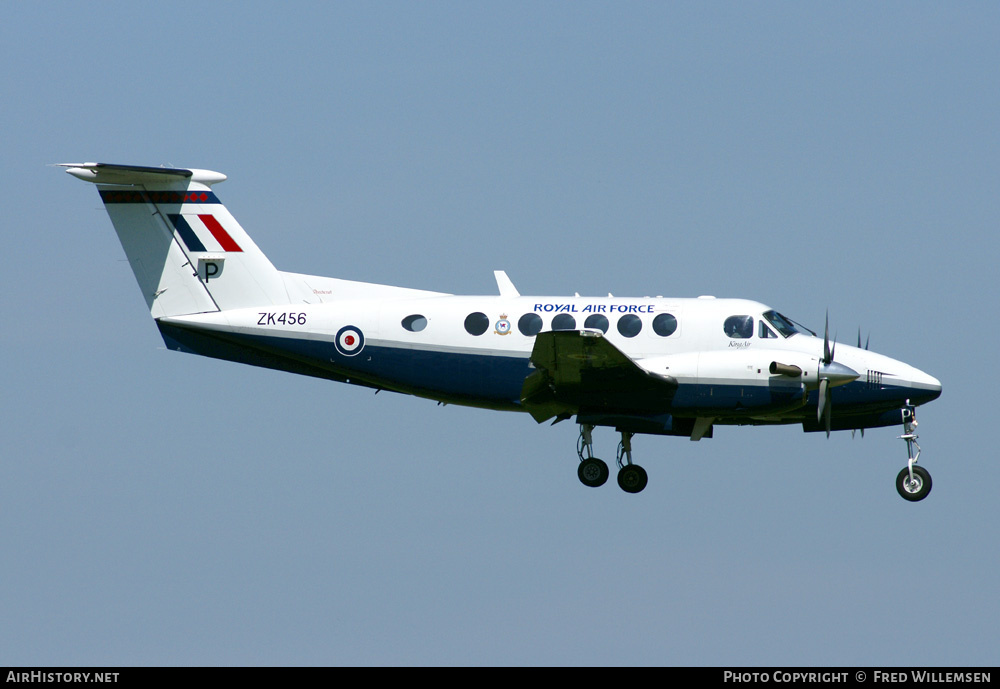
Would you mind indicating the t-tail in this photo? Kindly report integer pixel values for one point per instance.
(188, 253)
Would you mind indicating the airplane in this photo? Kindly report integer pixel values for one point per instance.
(659, 366)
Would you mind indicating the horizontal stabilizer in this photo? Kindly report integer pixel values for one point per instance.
(109, 173)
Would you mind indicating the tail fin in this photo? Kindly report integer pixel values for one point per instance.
(188, 253)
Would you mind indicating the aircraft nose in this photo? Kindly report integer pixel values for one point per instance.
(925, 388)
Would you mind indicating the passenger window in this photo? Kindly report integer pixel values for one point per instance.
(414, 323)
(665, 325)
(476, 323)
(629, 325)
(564, 321)
(739, 327)
(596, 321)
(765, 332)
(530, 324)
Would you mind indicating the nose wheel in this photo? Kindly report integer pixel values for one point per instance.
(913, 486)
(594, 472)
(913, 483)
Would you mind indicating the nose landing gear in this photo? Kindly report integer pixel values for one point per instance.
(593, 472)
(913, 483)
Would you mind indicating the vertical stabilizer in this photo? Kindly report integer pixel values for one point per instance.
(188, 253)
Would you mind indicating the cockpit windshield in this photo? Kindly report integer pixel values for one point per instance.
(781, 324)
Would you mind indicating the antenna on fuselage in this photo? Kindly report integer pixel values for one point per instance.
(504, 284)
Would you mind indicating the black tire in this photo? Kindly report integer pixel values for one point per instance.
(918, 489)
(593, 472)
(632, 478)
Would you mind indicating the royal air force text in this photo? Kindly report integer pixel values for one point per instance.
(594, 308)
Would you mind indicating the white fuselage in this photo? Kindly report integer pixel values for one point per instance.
(475, 349)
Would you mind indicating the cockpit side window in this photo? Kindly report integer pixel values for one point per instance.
(739, 327)
(765, 332)
(781, 323)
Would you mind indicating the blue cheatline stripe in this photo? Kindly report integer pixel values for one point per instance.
(136, 196)
(495, 382)
(186, 233)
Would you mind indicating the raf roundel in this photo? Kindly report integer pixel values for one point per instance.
(350, 341)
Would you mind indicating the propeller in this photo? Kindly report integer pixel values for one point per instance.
(825, 408)
(827, 349)
(830, 374)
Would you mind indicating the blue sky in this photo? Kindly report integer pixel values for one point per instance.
(158, 508)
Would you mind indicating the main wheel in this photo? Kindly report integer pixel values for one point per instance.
(632, 478)
(918, 488)
(593, 472)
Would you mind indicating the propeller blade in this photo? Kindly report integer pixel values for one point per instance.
(824, 409)
(824, 396)
(867, 339)
(827, 354)
(828, 414)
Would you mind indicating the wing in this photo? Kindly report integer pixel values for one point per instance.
(579, 370)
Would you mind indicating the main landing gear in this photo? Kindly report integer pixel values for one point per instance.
(594, 472)
(913, 483)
